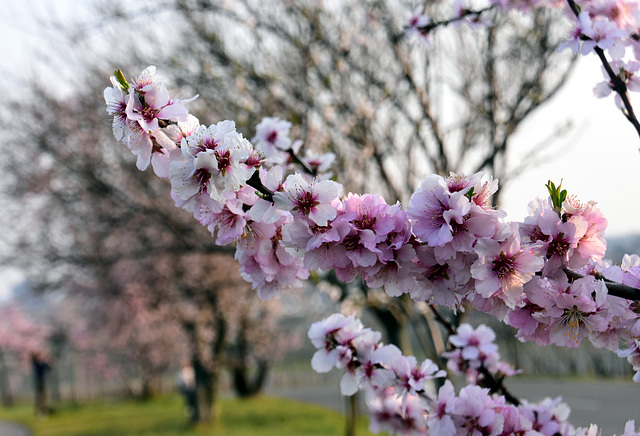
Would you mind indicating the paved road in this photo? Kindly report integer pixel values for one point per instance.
(11, 429)
(608, 404)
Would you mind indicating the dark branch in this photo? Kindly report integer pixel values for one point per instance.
(617, 84)
(614, 288)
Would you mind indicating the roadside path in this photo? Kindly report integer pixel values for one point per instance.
(13, 429)
(610, 404)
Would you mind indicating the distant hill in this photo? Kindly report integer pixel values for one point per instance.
(620, 245)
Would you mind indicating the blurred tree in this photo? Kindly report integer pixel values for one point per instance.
(344, 73)
(354, 84)
(91, 226)
(20, 338)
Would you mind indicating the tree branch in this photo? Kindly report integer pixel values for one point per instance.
(614, 288)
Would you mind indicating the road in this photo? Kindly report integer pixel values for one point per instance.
(610, 404)
(11, 429)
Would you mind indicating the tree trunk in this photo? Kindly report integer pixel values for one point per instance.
(40, 369)
(207, 390)
(5, 390)
(247, 386)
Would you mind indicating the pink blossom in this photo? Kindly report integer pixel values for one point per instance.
(449, 220)
(272, 137)
(474, 409)
(630, 428)
(548, 417)
(370, 370)
(582, 26)
(431, 208)
(148, 103)
(372, 231)
(627, 72)
(605, 35)
(571, 312)
(563, 238)
(416, 22)
(264, 261)
(320, 164)
(477, 348)
(411, 377)
(322, 335)
(444, 283)
(441, 411)
(212, 161)
(317, 201)
(504, 267)
(397, 416)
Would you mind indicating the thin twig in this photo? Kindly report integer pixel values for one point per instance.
(488, 380)
(617, 84)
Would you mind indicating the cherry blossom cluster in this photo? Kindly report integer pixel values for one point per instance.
(449, 247)
(544, 276)
(399, 391)
(473, 350)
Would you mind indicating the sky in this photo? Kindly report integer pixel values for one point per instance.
(599, 159)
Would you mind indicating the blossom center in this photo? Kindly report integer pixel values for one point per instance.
(559, 246)
(149, 113)
(503, 266)
(365, 222)
(437, 272)
(200, 177)
(224, 159)
(206, 144)
(305, 201)
(272, 137)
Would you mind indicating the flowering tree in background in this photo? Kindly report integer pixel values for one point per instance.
(120, 257)
(319, 65)
(315, 64)
(20, 338)
(545, 276)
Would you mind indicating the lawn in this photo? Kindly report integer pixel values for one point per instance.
(163, 417)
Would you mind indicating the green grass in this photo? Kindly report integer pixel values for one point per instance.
(163, 417)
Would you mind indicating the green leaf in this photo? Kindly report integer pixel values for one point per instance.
(557, 195)
(471, 193)
(121, 80)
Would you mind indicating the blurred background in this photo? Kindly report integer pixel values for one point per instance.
(108, 289)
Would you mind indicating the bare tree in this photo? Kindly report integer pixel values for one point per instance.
(88, 224)
(346, 76)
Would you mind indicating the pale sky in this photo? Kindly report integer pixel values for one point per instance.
(598, 160)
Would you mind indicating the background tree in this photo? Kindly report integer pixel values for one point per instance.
(91, 229)
(20, 339)
(364, 92)
(353, 83)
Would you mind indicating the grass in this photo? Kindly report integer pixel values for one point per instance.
(163, 417)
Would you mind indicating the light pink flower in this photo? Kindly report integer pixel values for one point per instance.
(504, 267)
(272, 136)
(416, 22)
(212, 162)
(317, 201)
(604, 34)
